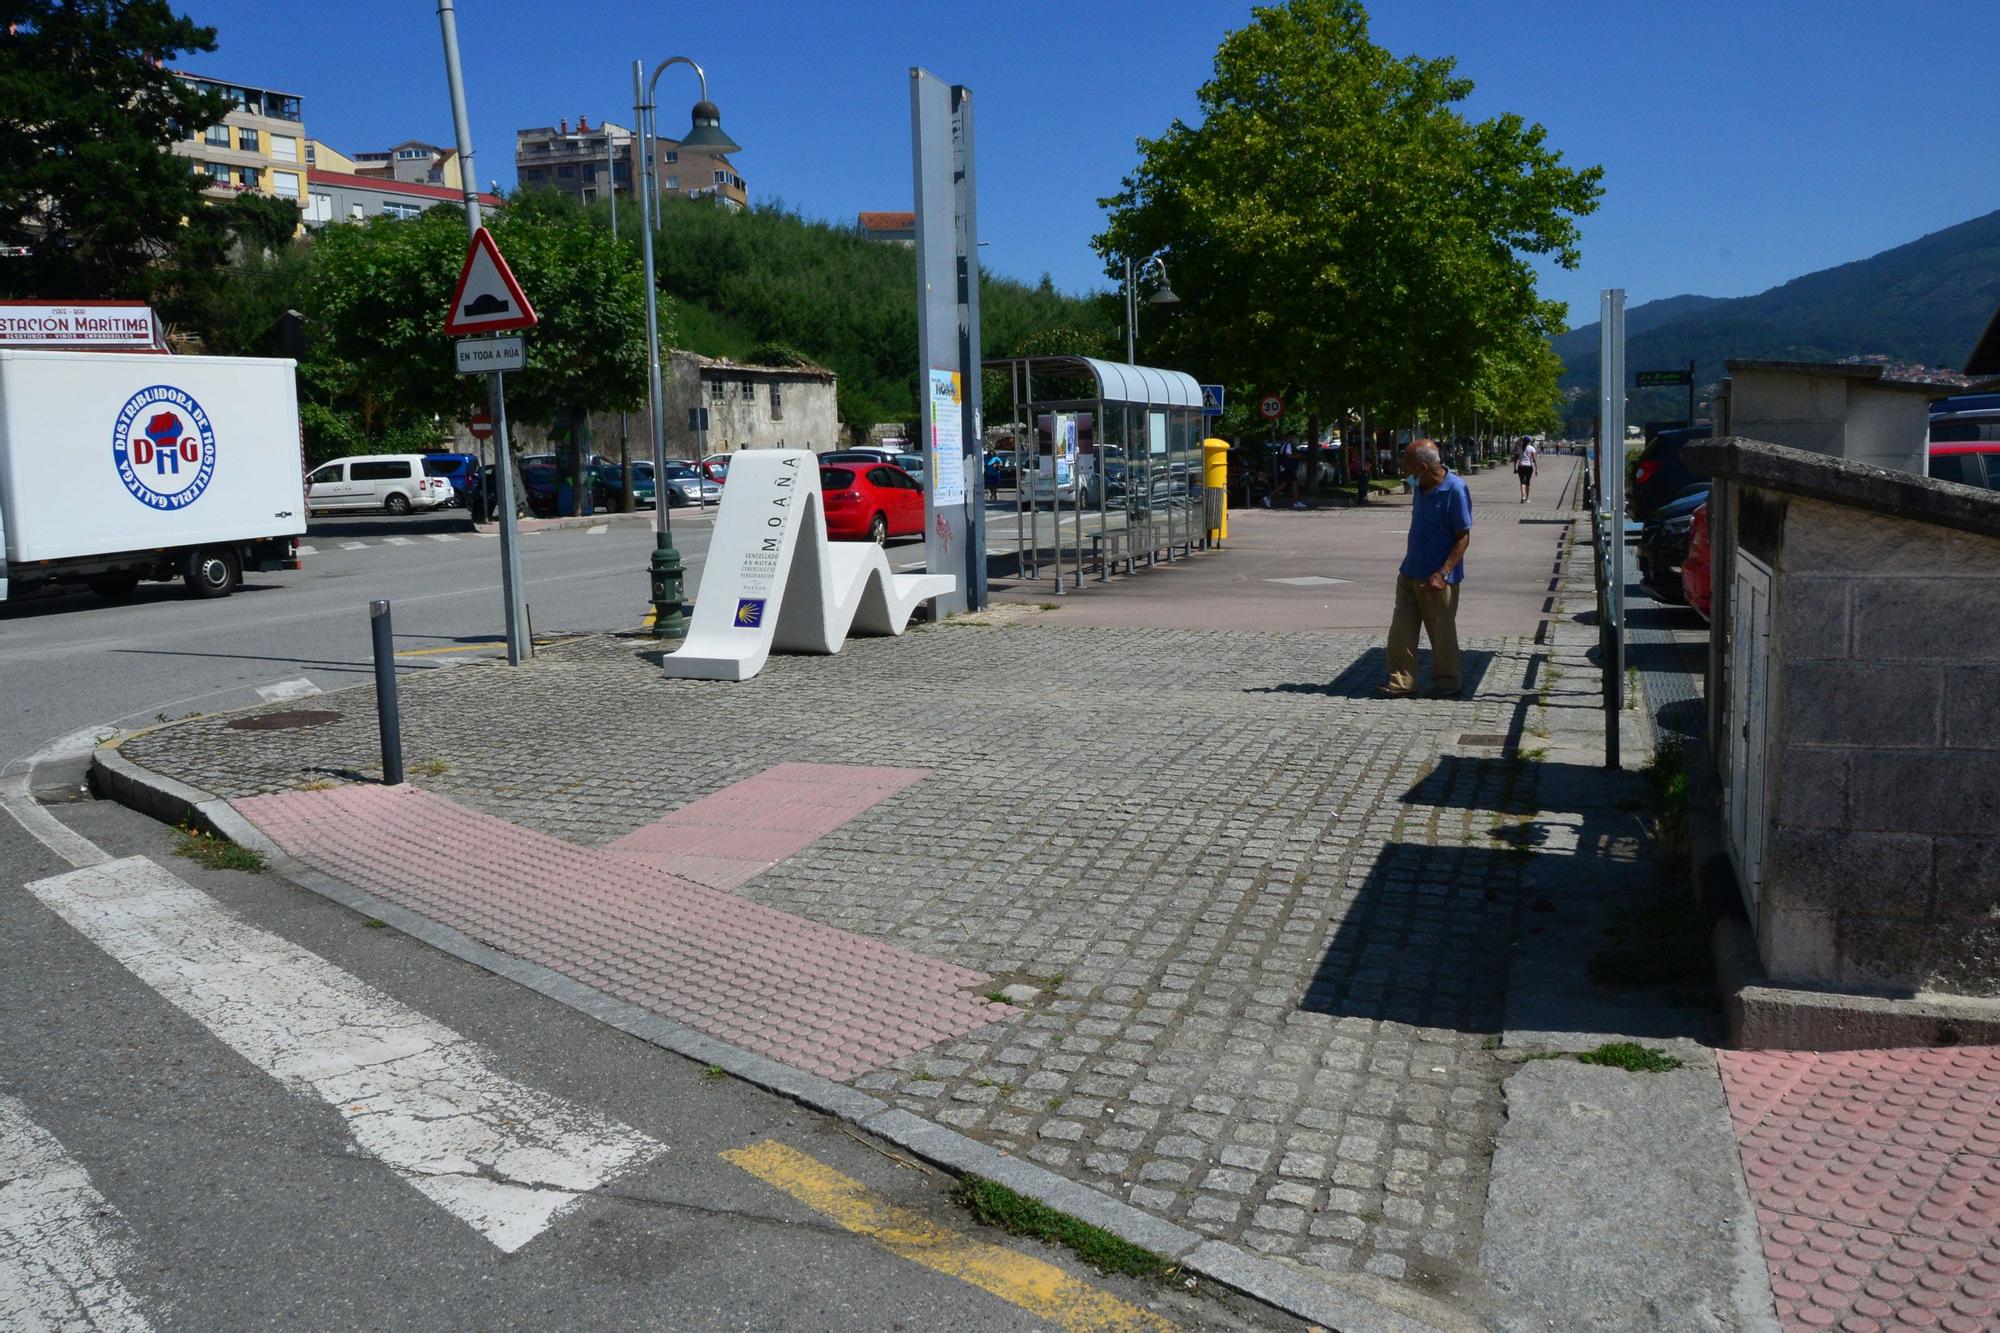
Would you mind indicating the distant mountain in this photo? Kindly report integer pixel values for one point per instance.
(1924, 302)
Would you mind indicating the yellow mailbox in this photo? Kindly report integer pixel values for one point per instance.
(1215, 470)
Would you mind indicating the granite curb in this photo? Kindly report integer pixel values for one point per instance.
(1284, 1288)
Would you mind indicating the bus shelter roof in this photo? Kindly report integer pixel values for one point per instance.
(1116, 381)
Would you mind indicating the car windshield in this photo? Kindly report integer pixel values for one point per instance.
(909, 462)
(440, 467)
(679, 472)
(836, 478)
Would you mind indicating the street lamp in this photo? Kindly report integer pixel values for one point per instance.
(1134, 275)
(706, 132)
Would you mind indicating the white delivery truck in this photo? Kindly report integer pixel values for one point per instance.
(117, 467)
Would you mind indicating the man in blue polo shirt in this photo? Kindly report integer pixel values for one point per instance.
(1427, 583)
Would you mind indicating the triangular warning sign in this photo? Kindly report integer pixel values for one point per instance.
(488, 300)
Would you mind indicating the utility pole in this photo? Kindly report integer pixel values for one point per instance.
(519, 645)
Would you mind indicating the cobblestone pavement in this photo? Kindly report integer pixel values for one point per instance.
(1270, 929)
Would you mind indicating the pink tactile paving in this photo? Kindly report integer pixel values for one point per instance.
(1876, 1177)
(822, 999)
(736, 834)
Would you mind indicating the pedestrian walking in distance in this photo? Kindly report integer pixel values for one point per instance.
(1427, 582)
(1524, 465)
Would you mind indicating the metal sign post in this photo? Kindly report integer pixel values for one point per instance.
(519, 645)
(1611, 518)
(948, 343)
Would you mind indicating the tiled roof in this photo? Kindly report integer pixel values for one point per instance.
(888, 221)
(384, 185)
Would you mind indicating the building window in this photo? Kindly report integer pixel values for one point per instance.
(319, 207)
(722, 178)
(354, 211)
(566, 172)
(590, 171)
(250, 178)
(309, 152)
(281, 107)
(671, 183)
(285, 184)
(777, 402)
(247, 140)
(396, 209)
(217, 136)
(717, 390)
(412, 154)
(670, 157)
(748, 390)
(284, 148)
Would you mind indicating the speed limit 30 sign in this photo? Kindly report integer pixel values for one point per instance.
(1270, 407)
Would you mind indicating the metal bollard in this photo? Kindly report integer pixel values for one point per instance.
(388, 716)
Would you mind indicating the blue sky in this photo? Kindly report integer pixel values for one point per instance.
(1744, 143)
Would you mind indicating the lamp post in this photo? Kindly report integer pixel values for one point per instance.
(1134, 275)
(705, 132)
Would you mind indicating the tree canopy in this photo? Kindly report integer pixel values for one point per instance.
(1339, 232)
(380, 364)
(86, 181)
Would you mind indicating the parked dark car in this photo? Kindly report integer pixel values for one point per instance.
(462, 470)
(1973, 463)
(1663, 546)
(1663, 474)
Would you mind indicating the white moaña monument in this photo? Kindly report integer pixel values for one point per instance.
(774, 581)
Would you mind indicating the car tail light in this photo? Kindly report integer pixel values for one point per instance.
(1646, 471)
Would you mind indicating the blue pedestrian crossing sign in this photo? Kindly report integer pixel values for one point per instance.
(1211, 400)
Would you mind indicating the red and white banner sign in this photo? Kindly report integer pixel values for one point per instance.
(108, 325)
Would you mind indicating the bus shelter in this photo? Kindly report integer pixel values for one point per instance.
(1108, 466)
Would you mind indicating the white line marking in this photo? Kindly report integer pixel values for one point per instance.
(301, 688)
(398, 541)
(354, 546)
(44, 827)
(308, 550)
(442, 537)
(597, 530)
(502, 1157)
(61, 1242)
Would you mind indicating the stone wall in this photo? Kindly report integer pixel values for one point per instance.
(1881, 838)
(1884, 856)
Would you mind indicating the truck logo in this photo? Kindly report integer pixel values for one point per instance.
(163, 446)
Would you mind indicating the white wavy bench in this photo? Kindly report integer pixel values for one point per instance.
(773, 582)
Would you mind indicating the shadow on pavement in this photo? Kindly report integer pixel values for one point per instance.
(1513, 935)
(383, 525)
(1370, 669)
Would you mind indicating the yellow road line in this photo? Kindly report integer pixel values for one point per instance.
(1038, 1287)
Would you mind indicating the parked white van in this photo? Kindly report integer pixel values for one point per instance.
(393, 483)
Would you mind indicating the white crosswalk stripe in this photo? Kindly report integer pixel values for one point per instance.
(398, 541)
(598, 530)
(308, 550)
(502, 1157)
(354, 546)
(62, 1244)
(300, 688)
(442, 537)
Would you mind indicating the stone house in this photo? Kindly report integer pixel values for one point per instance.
(748, 407)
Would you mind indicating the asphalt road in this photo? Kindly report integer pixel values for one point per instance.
(159, 1168)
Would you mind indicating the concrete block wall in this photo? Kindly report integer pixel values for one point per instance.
(1882, 869)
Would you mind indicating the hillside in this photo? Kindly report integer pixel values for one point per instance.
(752, 283)
(1923, 302)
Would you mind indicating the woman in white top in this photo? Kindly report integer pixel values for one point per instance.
(1524, 467)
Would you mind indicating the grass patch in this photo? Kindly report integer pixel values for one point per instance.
(922, 1077)
(1662, 943)
(374, 923)
(1667, 780)
(994, 997)
(713, 1073)
(1630, 1055)
(216, 853)
(433, 768)
(998, 1206)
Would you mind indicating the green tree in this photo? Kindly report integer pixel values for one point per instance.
(91, 108)
(381, 365)
(1338, 231)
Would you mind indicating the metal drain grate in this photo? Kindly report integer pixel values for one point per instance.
(1483, 738)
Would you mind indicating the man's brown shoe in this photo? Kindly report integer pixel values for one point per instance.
(1386, 692)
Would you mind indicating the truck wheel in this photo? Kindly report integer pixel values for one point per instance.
(113, 587)
(397, 503)
(212, 573)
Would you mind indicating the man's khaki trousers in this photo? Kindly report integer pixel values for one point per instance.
(1437, 612)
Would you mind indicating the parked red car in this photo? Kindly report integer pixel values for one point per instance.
(1697, 564)
(871, 502)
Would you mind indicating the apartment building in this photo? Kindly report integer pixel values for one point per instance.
(259, 146)
(587, 163)
(413, 162)
(340, 196)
